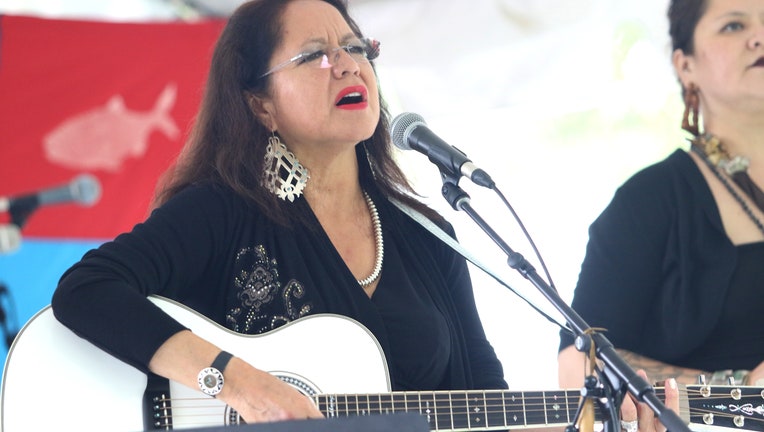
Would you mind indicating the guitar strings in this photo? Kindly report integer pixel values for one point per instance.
(495, 403)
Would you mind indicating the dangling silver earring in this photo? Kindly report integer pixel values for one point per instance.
(283, 174)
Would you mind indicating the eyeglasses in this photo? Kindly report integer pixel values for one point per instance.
(361, 50)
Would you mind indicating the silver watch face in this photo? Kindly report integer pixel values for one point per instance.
(210, 381)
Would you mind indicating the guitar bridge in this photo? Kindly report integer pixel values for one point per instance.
(157, 405)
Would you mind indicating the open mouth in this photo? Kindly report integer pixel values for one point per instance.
(351, 96)
(759, 62)
(351, 99)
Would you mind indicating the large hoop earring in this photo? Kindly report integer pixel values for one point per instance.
(283, 174)
(691, 107)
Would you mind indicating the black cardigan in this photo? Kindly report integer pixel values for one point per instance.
(658, 264)
(210, 250)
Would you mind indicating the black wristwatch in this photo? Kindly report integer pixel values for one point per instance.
(211, 379)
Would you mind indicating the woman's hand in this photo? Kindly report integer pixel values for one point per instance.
(260, 397)
(638, 416)
(255, 394)
(756, 375)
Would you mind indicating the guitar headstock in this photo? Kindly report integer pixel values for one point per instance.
(714, 408)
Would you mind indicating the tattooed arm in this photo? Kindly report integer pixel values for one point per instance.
(659, 371)
(572, 368)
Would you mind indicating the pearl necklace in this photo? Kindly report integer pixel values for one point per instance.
(377, 241)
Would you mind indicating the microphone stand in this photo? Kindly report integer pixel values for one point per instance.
(8, 334)
(22, 208)
(618, 376)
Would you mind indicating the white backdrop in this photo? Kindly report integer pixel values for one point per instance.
(559, 101)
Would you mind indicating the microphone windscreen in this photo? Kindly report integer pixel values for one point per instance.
(86, 189)
(83, 190)
(402, 126)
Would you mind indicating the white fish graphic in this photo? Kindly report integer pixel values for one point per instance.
(103, 137)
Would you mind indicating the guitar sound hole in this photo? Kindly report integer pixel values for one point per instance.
(300, 383)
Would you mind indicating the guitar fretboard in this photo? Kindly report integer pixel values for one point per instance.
(462, 410)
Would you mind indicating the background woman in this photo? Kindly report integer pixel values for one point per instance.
(673, 265)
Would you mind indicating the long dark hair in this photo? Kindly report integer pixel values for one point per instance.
(683, 16)
(227, 143)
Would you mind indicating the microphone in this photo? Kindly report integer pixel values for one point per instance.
(83, 190)
(410, 132)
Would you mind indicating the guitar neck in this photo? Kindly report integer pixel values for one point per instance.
(706, 408)
(462, 410)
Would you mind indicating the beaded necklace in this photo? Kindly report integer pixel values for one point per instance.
(380, 247)
(715, 156)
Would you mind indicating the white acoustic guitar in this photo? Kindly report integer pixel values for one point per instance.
(55, 381)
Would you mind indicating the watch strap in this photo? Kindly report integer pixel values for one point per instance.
(221, 361)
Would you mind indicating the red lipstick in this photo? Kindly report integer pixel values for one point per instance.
(352, 98)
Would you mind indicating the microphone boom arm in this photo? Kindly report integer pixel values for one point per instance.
(619, 375)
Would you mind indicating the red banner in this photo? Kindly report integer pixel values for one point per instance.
(113, 100)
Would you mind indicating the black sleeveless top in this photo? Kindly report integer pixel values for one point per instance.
(738, 338)
(661, 275)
